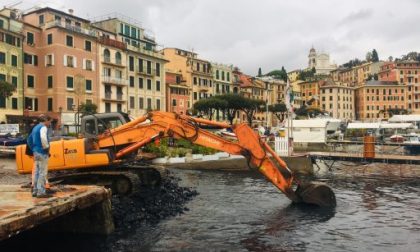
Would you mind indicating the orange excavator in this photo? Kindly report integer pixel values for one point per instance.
(105, 158)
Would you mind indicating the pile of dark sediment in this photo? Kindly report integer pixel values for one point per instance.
(152, 206)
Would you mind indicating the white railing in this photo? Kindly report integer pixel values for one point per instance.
(281, 146)
(109, 79)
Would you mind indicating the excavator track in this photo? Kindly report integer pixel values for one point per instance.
(123, 180)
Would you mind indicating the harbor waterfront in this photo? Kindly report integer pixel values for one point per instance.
(374, 203)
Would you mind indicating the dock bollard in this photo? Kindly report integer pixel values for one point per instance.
(369, 147)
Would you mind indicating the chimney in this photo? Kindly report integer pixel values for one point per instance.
(71, 11)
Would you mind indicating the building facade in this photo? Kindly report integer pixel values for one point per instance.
(337, 99)
(375, 98)
(197, 72)
(320, 61)
(143, 69)
(177, 93)
(11, 64)
(60, 52)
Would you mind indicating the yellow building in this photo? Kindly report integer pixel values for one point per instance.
(293, 75)
(11, 64)
(197, 72)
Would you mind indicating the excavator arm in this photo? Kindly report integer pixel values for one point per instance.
(113, 146)
(157, 125)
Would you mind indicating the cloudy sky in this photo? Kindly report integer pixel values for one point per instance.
(268, 33)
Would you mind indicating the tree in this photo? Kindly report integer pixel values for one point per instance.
(278, 74)
(279, 110)
(369, 56)
(375, 57)
(209, 105)
(6, 89)
(250, 107)
(390, 58)
(233, 103)
(87, 108)
(308, 112)
(259, 72)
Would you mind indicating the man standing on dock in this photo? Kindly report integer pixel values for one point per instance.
(39, 143)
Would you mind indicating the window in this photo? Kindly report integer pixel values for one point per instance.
(69, 61)
(14, 103)
(31, 103)
(131, 63)
(149, 103)
(173, 102)
(149, 84)
(107, 107)
(133, 32)
(118, 58)
(2, 102)
(69, 40)
(50, 104)
(57, 19)
(30, 59)
(149, 67)
(14, 81)
(88, 85)
(141, 83)
(30, 38)
(14, 60)
(88, 65)
(49, 60)
(30, 81)
(195, 95)
(127, 30)
(50, 81)
(49, 39)
(131, 81)
(69, 103)
(223, 75)
(41, 20)
(107, 55)
(2, 58)
(131, 102)
(88, 45)
(157, 69)
(195, 80)
(157, 85)
(217, 74)
(1, 23)
(140, 61)
(141, 103)
(157, 104)
(69, 82)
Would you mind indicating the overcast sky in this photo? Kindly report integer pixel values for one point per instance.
(268, 33)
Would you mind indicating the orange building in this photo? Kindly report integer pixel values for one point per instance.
(375, 98)
(310, 93)
(59, 62)
(405, 73)
(177, 93)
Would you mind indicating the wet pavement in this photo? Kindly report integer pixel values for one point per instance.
(378, 209)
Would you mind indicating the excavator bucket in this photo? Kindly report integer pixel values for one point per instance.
(316, 193)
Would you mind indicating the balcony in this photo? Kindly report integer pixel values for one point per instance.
(107, 60)
(112, 42)
(143, 50)
(114, 80)
(119, 97)
(73, 28)
(146, 71)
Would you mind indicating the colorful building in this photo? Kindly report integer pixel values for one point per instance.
(143, 68)
(337, 99)
(60, 57)
(375, 98)
(11, 64)
(177, 93)
(310, 94)
(197, 72)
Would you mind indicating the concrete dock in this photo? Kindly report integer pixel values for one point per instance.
(82, 209)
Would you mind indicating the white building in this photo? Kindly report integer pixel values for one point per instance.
(321, 62)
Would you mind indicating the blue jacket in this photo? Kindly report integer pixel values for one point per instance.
(34, 140)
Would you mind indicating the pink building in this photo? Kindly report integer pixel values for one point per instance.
(177, 93)
(60, 62)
